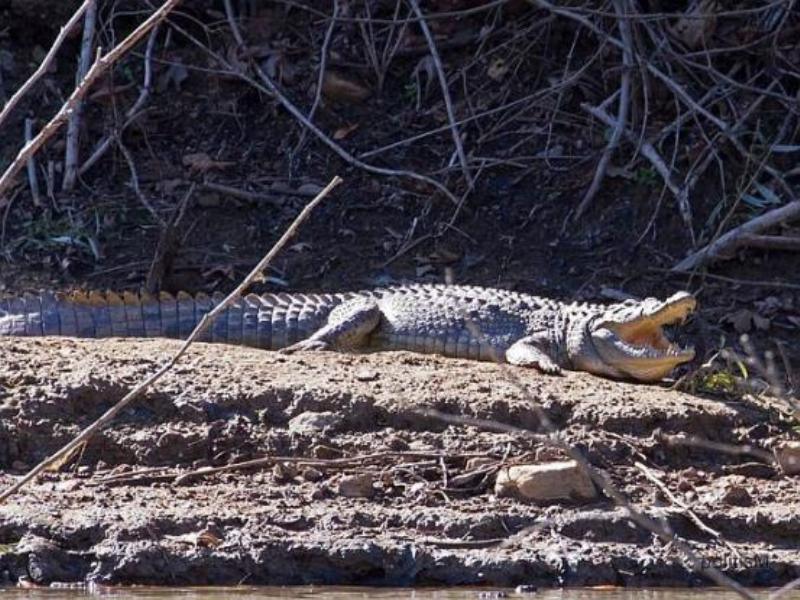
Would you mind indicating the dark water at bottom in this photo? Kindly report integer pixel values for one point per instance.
(357, 593)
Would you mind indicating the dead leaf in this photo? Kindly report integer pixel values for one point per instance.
(697, 25)
(742, 320)
(424, 270)
(745, 320)
(345, 131)
(761, 323)
(337, 87)
(203, 539)
(109, 90)
(497, 70)
(300, 247)
(175, 75)
(168, 186)
(200, 162)
(309, 189)
(208, 539)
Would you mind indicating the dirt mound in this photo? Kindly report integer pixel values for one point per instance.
(369, 491)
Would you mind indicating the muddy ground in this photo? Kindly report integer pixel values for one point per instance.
(116, 514)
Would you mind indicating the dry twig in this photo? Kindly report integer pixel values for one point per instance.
(202, 326)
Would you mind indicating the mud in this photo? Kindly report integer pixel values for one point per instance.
(427, 514)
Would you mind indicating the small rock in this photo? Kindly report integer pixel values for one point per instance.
(546, 482)
(47, 562)
(788, 455)
(526, 589)
(357, 486)
(325, 452)
(311, 423)
(736, 495)
(366, 375)
(311, 474)
(318, 493)
(283, 473)
(397, 444)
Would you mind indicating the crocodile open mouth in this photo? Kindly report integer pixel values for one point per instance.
(645, 335)
(633, 340)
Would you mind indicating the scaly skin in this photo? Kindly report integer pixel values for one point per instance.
(618, 340)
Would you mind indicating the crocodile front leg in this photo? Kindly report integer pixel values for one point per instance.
(532, 352)
(348, 328)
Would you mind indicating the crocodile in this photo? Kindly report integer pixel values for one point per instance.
(624, 340)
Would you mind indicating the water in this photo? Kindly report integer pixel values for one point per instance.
(355, 593)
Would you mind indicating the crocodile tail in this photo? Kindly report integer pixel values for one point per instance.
(268, 321)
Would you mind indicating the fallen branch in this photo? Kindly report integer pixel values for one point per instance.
(204, 324)
(48, 60)
(771, 242)
(98, 68)
(723, 246)
(166, 474)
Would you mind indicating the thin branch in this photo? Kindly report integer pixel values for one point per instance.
(622, 110)
(451, 117)
(33, 180)
(134, 111)
(135, 185)
(270, 87)
(653, 478)
(202, 326)
(74, 123)
(323, 62)
(48, 60)
(649, 151)
(100, 66)
(237, 34)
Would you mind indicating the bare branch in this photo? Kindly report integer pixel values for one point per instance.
(100, 66)
(437, 61)
(48, 60)
(74, 124)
